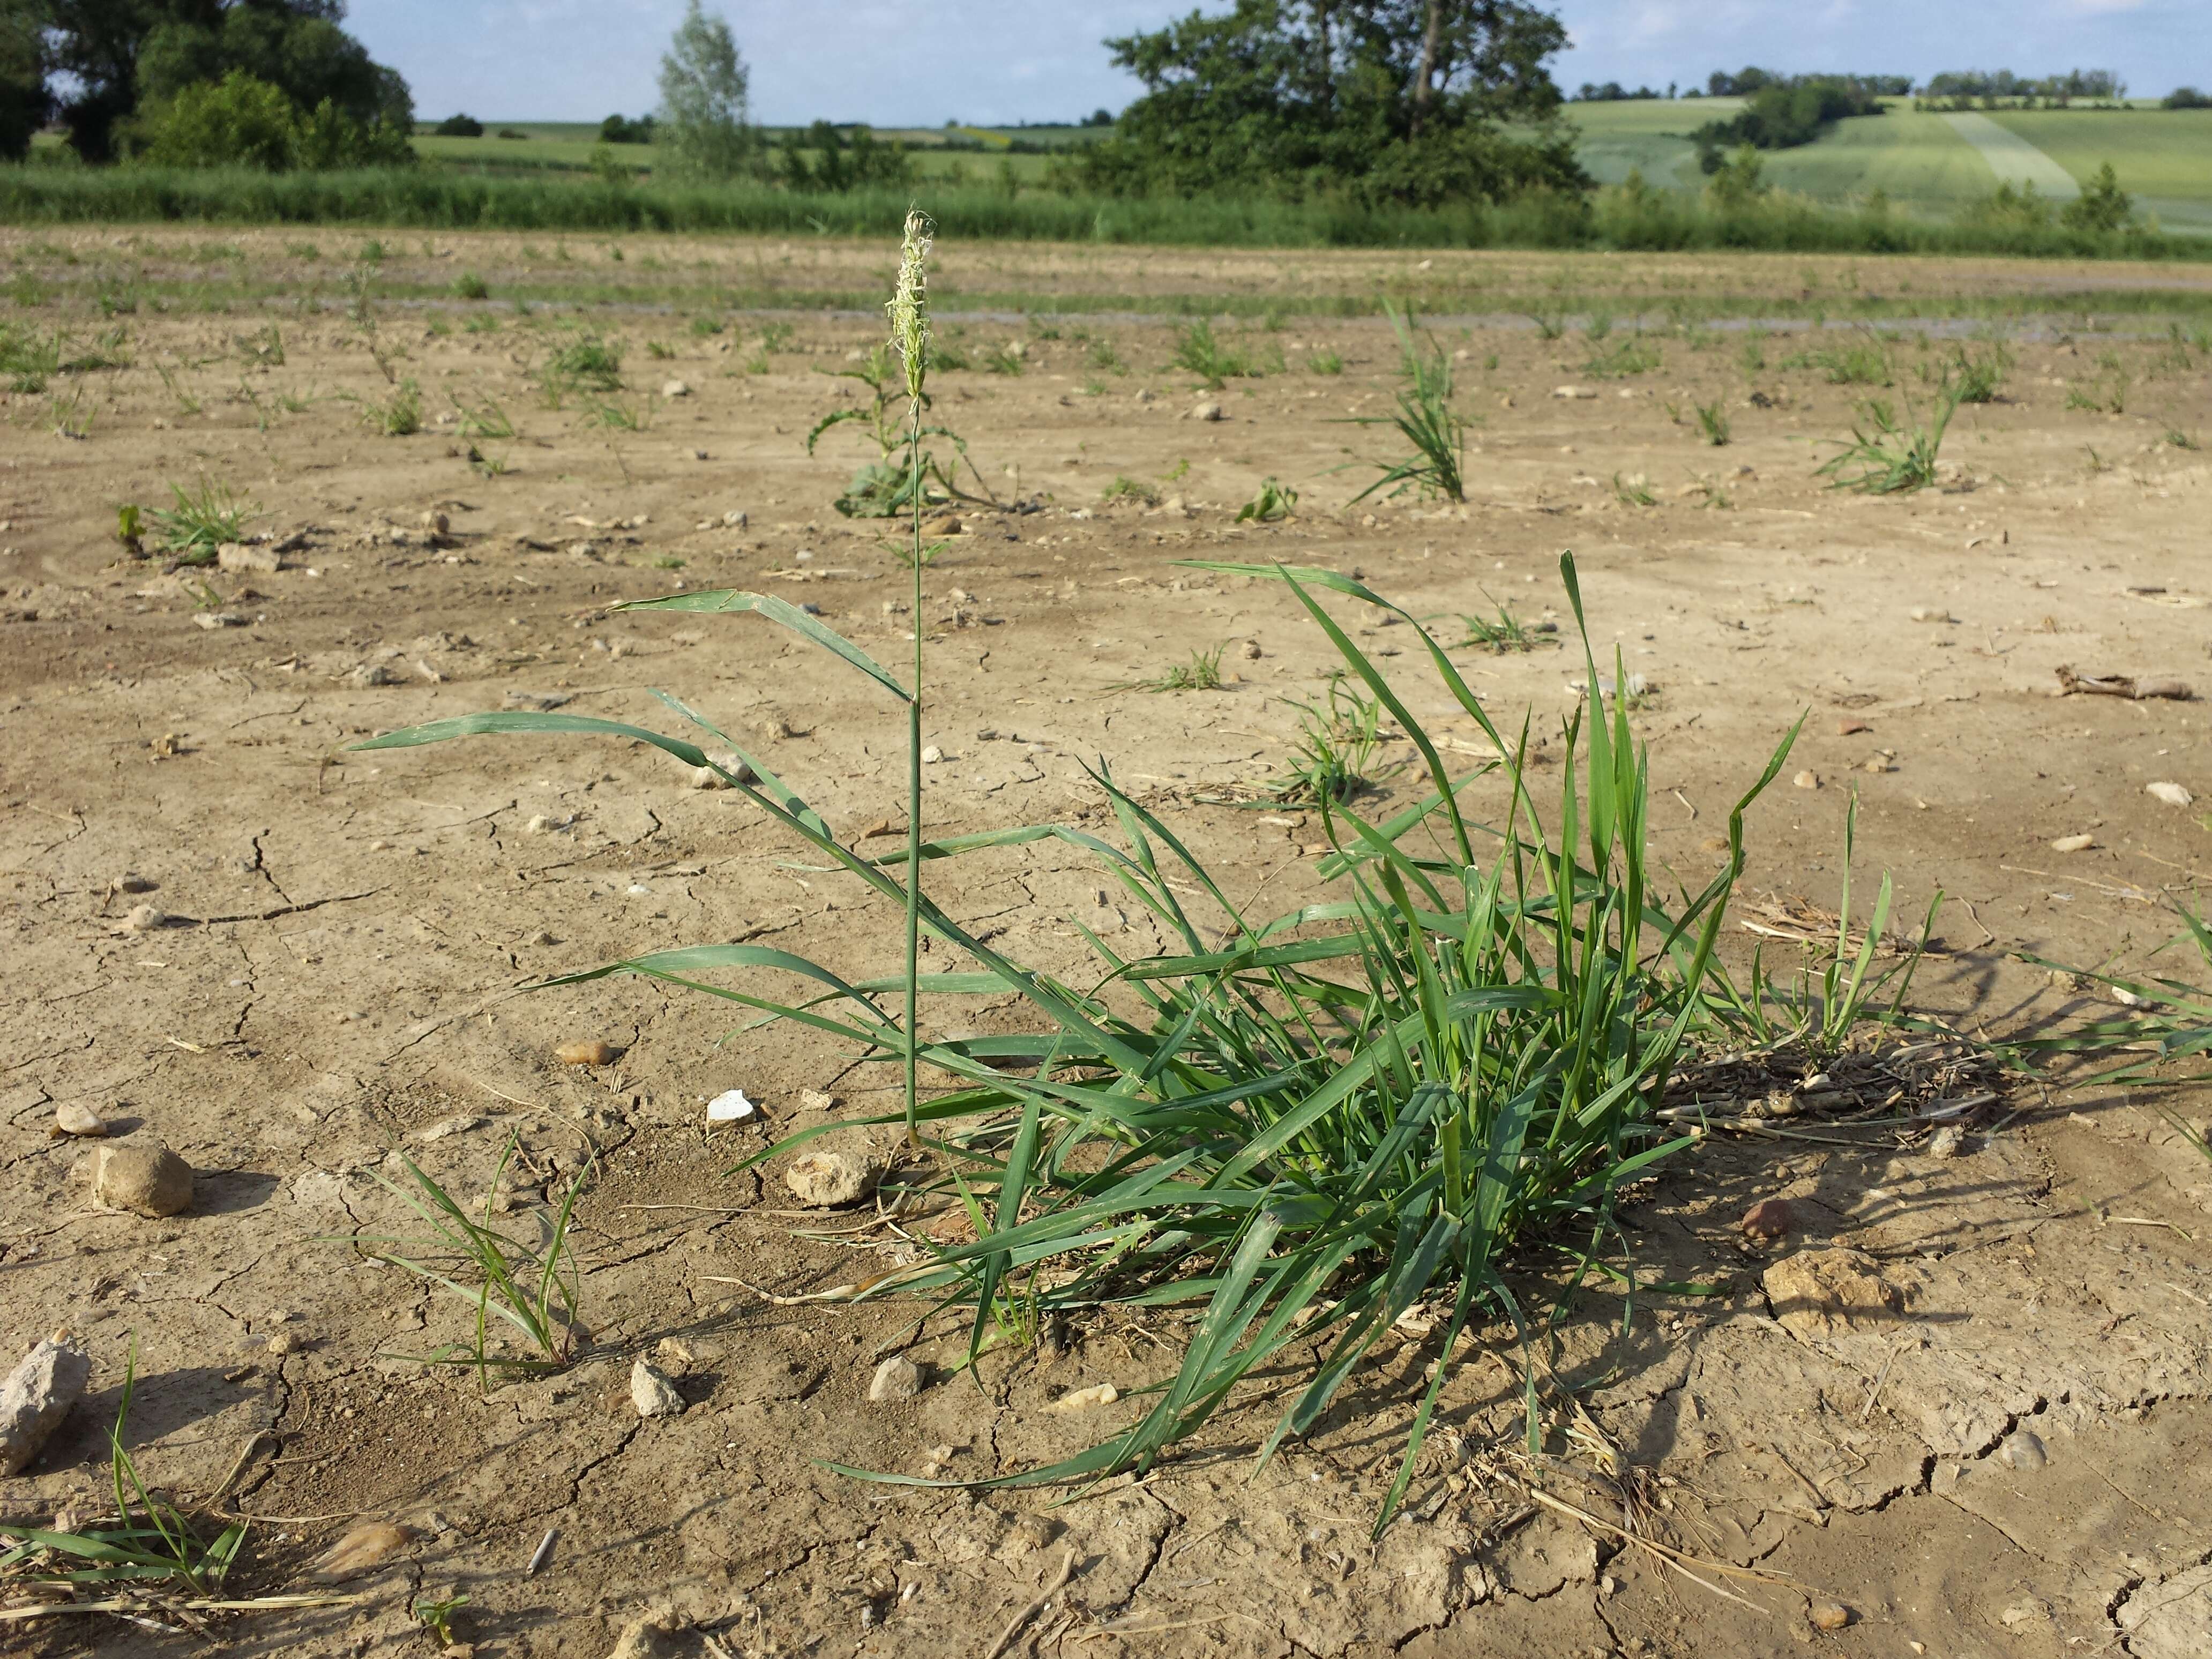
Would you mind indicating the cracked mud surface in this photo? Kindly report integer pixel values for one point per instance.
(341, 976)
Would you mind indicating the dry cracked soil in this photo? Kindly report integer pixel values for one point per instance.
(1957, 1408)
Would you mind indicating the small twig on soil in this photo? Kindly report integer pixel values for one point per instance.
(1674, 1558)
(539, 1556)
(1874, 1393)
(1043, 1600)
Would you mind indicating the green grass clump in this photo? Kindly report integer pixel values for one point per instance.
(470, 286)
(1624, 357)
(1125, 488)
(1213, 363)
(1303, 1127)
(1008, 359)
(1425, 418)
(1977, 374)
(1713, 422)
(201, 520)
(586, 363)
(399, 416)
(532, 1285)
(1501, 634)
(1633, 490)
(1861, 362)
(1202, 672)
(145, 1545)
(1889, 456)
(1325, 362)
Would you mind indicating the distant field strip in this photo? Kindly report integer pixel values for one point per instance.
(2013, 159)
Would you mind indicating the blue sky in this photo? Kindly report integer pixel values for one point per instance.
(923, 61)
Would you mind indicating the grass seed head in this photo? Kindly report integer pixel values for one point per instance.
(908, 307)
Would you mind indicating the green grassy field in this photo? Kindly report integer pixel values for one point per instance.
(567, 146)
(2164, 156)
(1919, 159)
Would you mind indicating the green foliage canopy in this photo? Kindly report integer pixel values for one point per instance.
(1388, 100)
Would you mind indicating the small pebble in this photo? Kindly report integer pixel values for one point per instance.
(814, 1100)
(1769, 1219)
(1827, 1615)
(1808, 779)
(2172, 793)
(652, 1393)
(2022, 1449)
(1083, 1400)
(931, 755)
(145, 919)
(73, 1118)
(897, 1378)
(2072, 843)
(1947, 1142)
(594, 1052)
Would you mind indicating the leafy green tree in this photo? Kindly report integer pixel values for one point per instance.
(831, 158)
(1412, 100)
(2102, 204)
(121, 55)
(239, 120)
(25, 103)
(704, 108)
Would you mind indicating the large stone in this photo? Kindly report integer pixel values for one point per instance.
(153, 1180)
(36, 1396)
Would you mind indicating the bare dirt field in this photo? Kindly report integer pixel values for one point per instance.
(1959, 1408)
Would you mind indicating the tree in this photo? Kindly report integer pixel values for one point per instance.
(1400, 99)
(123, 57)
(24, 104)
(703, 102)
(2101, 206)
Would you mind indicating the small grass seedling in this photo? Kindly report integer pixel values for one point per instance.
(1009, 359)
(470, 286)
(1633, 490)
(1425, 418)
(531, 1286)
(1624, 357)
(1125, 488)
(1502, 633)
(587, 363)
(1201, 673)
(1325, 362)
(1713, 422)
(1333, 759)
(612, 414)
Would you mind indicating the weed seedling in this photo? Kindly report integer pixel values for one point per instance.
(1325, 362)
(1713, 422)
(437, 1617)
(1276, 500)
(1333, 757)
(470, 286)
(399, 416)
(1503, 633)
(1633, 490)
(1010, 359)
